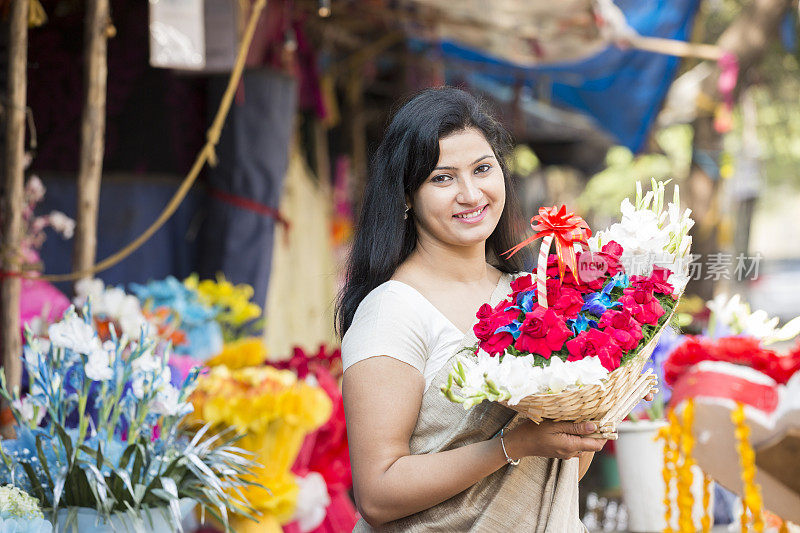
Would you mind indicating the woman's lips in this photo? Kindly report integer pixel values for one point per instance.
(474, 219)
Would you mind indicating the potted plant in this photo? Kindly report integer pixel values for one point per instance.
(99, 440)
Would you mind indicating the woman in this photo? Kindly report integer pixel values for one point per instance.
(438, 210)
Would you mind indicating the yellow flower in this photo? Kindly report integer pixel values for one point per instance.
(275, 411)
(240, 354)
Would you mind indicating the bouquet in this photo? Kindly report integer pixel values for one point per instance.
(101, 428)
(20, 512)
(571, 342)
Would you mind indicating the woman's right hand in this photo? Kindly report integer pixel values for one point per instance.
(558, 440)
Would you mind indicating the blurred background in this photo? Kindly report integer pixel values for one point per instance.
(598, 94)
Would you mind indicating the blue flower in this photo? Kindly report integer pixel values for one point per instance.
(512, 328)
(525, 301)
(598, 302)
(581, 323)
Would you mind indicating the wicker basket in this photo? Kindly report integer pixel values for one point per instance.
(605, 404)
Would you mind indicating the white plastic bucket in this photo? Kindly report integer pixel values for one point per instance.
(640, 459)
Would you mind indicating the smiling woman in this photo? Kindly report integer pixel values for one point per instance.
(438, 211)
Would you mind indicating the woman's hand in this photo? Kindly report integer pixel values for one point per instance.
(559, 440)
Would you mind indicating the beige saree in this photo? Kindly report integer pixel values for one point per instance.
(539, 495)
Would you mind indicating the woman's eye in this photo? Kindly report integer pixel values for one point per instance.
(483, 168)
(440, 179)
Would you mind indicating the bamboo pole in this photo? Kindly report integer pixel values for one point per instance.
(13, 197)
(93, 127)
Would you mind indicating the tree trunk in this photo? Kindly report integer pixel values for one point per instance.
(13, 197)
(748, 37)
(93, 125)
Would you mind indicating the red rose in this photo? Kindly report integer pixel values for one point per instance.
(490, 318)
(611, 252)
(639, 301)
(656, 281)
(542, 332)
(613, 249)
(565, 301)
(520, 284)
(497, 343)
(569, 279)
(594, 342)
(622, 327)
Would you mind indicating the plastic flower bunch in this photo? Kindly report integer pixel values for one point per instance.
(110, 304)
(101, 428)
(236, 311)
(20, 512)
(187, 312)
(275, 410)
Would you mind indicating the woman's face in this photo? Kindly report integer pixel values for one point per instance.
(460, 202)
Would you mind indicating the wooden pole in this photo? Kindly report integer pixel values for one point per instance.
(13, 197)
(93, 127)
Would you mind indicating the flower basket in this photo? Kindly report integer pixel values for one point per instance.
(571, 341)
(605, 403)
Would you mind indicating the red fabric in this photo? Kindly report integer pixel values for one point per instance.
(740, 350)
(722, 385)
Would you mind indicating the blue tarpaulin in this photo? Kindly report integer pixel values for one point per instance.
(622, 90)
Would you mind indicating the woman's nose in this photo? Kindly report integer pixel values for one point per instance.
(469, 192)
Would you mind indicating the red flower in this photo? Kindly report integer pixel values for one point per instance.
(687, 354)
(497, 343)
(565, 301)
(657, 281)
(489, 319)
(594, 342)
(542, 332)
(569, 279)
(611, 252)
(622, 327)
(639, 301)
(520, 284)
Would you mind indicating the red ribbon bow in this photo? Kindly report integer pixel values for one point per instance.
(566, 228)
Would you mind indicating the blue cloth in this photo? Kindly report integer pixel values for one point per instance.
(622, 90)
(127, 208)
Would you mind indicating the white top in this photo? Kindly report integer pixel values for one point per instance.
(394, 319)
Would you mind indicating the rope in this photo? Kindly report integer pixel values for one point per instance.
(206, 154)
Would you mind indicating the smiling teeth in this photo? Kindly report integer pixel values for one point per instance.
(473, 214)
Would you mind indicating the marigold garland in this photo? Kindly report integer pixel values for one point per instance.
(706, 520)
(685, 475)
(669, 434)
(751, 498)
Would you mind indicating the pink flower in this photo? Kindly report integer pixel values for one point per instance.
(594, 342)
(542, 332)
(497, 343)
(564, 300)
(639, 301)
(622, 327)
(489, 319)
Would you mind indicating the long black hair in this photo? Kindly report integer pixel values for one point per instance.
(405, 157)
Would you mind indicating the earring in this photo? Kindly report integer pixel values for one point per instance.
(405, 213)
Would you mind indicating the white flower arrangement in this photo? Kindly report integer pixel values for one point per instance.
(511, 379)
(732, 315)
(652, 236)
(112, 303)
(20, 512)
